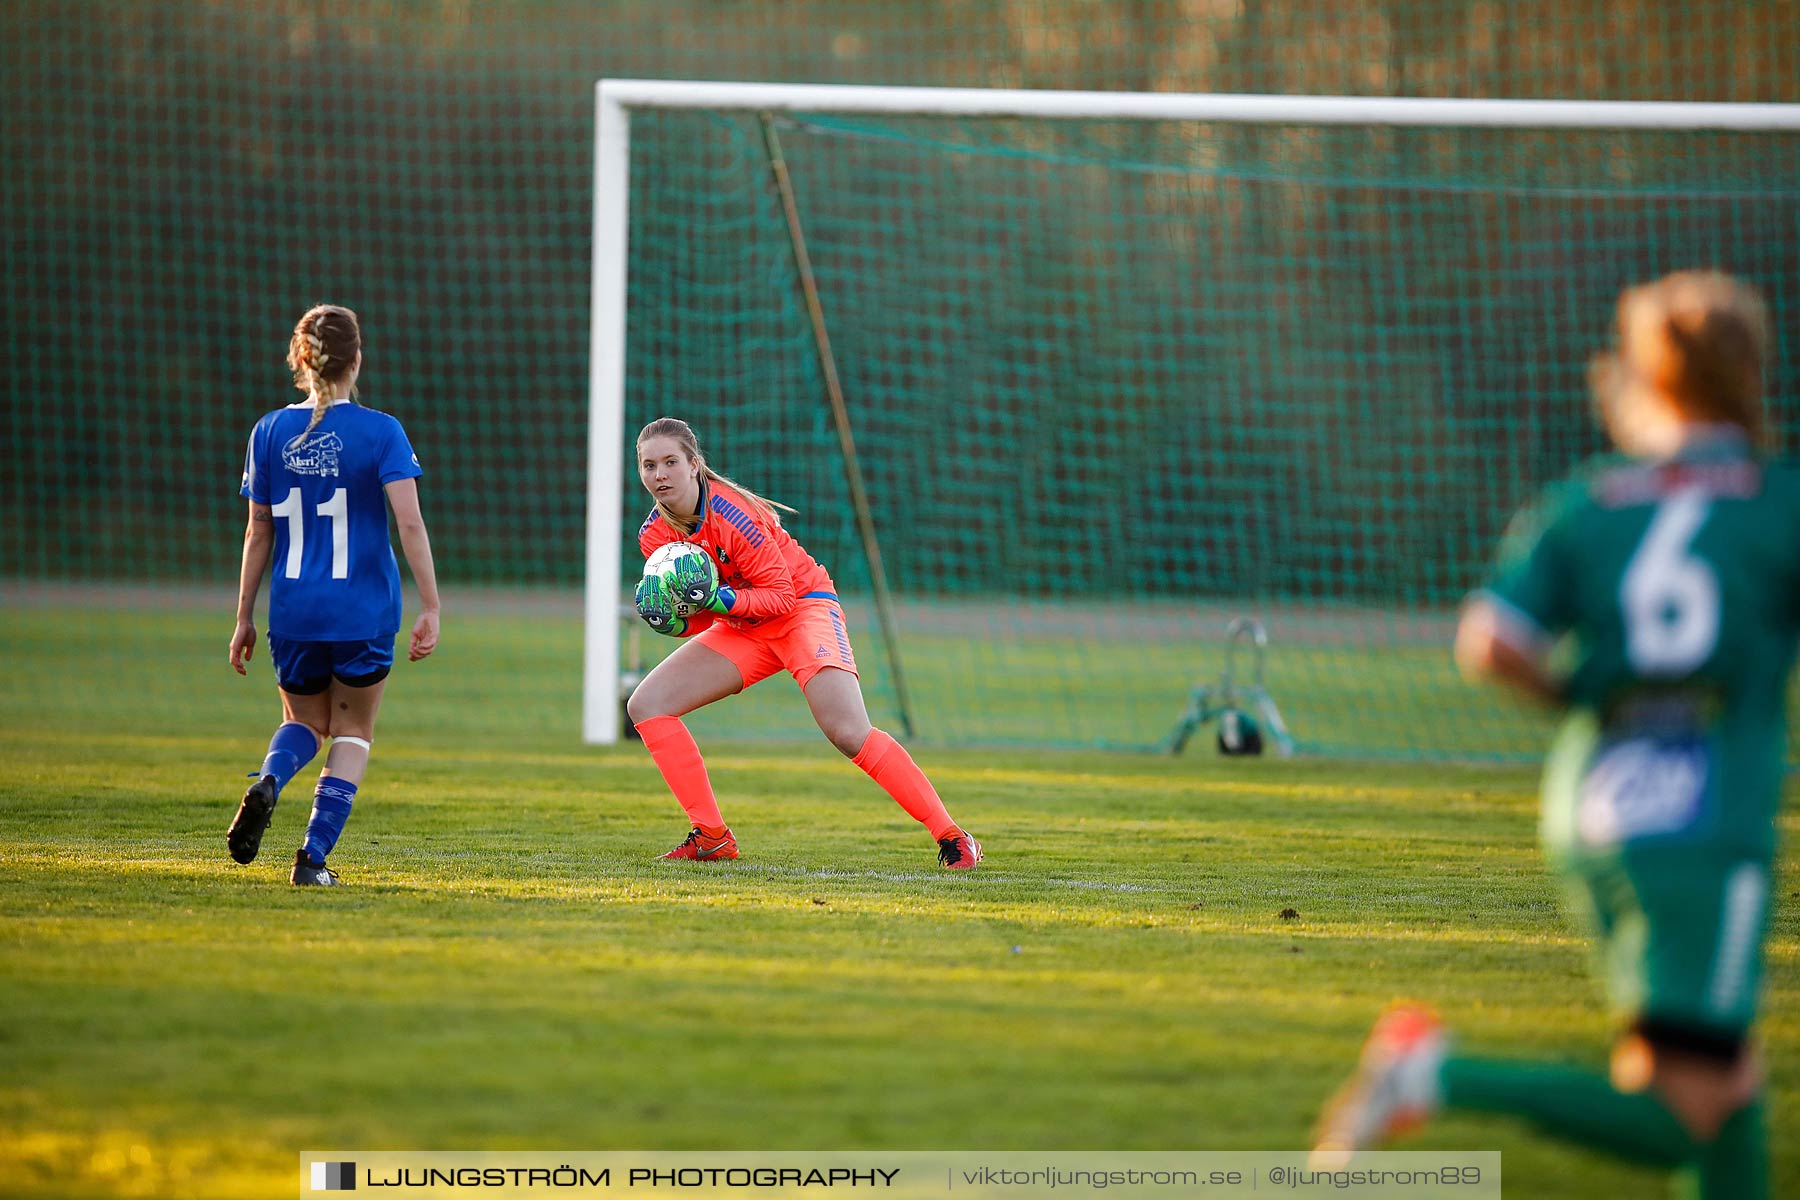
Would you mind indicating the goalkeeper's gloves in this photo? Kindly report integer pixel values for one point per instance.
(706, 592)
(722, 600)
(696, 581)
(656, 604)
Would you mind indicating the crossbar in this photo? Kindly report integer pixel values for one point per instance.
(1181, 106)
(616, 98)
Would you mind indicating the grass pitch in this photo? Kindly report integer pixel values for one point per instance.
(510, 969)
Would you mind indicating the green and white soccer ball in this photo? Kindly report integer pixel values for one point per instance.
(687, 569)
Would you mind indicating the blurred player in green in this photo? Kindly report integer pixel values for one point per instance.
(1673, 569)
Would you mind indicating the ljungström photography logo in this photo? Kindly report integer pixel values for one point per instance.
(334, 1177)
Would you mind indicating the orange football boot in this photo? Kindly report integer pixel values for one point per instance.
(1395, 1089)
(700, 848)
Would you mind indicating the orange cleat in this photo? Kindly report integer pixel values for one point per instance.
(700, 848)
(1394, 1090)
(958, 852)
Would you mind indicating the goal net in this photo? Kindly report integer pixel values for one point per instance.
(1120, 369)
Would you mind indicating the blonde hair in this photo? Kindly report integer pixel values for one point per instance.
(326, 344)
(674, 427)
(1700, 340)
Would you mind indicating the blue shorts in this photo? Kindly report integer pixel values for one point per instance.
(307, 668)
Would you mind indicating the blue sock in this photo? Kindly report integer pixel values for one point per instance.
(331, 808)
(292, 747)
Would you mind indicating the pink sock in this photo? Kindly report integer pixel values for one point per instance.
(672, 748)
(889, 765)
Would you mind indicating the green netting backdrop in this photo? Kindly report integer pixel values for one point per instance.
(1113, 384)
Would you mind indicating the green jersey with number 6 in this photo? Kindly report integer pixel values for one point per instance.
(1678, 585)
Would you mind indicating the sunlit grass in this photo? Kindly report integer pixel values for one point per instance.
(509, 968)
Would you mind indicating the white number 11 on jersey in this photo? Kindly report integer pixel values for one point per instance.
(338, 509)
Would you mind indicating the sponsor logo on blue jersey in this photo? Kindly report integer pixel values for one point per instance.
(316, 455)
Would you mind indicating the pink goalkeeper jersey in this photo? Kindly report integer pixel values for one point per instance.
(757, 558)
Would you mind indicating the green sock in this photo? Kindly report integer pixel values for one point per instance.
(1736, 1165)
(1575, 1105)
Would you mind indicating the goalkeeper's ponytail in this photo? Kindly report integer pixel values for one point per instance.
(674, 427)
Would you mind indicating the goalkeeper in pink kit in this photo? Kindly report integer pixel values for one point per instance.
(771, 608)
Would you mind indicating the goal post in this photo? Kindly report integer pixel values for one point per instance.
(600, 711)
(1243, 311)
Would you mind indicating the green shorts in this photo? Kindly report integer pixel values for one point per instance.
(1680, 931)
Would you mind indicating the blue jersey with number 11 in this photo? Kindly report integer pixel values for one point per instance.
(335, 577)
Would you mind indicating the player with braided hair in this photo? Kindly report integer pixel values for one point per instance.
(329, 469)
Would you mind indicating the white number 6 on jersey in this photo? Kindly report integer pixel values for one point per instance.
(1669, 596)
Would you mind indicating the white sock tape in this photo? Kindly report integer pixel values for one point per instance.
(351, 740)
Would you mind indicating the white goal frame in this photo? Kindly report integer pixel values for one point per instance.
(617, 98)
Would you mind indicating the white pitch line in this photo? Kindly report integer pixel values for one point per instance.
(1089, 885)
